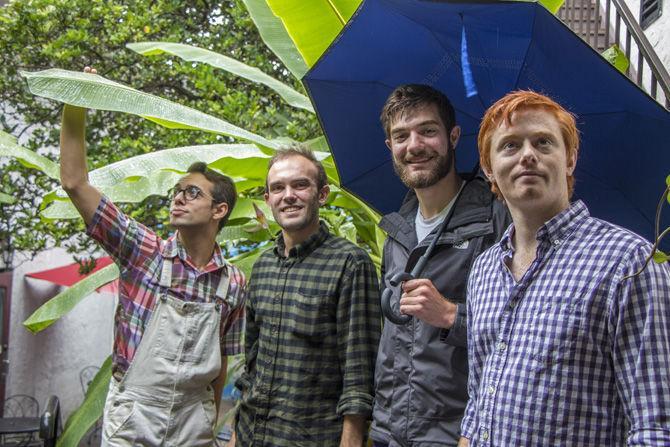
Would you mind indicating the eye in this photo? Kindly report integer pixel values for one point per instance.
(430, 131)
(303, 184)
(399, 138)
(542, 141)
(509, 145)
(276, 188)
(192, 192)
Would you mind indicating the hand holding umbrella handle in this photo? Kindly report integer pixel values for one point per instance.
(387, 310)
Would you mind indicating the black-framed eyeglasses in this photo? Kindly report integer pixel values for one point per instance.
(191, 192)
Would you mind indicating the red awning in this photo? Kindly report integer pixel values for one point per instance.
(68, 275)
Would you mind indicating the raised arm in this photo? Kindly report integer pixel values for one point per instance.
(73, 169)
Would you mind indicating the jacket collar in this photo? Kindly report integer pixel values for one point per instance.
(474, 205)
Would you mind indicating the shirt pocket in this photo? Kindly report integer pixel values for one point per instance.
(552, 334)
(313, 316)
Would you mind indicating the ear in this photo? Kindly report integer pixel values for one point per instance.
(455, 135)
(220, 210)
(571, 164)
(488, 174)
(388, 144)
(323, 195)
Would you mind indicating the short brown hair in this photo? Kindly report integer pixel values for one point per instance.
(409, 97)
(223, 190)
(300, 150)
(503, 110)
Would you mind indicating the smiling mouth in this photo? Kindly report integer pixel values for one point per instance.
(291, 209)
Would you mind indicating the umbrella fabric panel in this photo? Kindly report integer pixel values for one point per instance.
(511, 45)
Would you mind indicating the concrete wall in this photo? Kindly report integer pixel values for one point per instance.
(50, 362)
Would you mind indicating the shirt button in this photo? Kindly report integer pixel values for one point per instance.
(485, 435)
(556, 242)
(491, 390)
(501, 346)
(277, 298)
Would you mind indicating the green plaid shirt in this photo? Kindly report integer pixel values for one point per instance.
(313, 327)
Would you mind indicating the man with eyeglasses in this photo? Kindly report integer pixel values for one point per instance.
(181, 304)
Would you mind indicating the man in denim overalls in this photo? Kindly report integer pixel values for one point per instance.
(180, 310)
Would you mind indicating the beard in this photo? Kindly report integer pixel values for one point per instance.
(441, 166)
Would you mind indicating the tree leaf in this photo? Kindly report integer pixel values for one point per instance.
(660, 257)
(276, 37)
(95, 92)
(6, 198)
(246, 260)
(313, 24)
(552, 5)
(616, 57)
(28, 158)
(195, 54)
(82, 419)
(65, 301)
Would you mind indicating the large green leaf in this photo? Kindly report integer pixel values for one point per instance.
(552, 5)
(95, 92)
(10, 148)
(65, 301)
(82, 419)
(313, 24)
(134, 179)
(195, 54)
(276, 37)
(6, 198)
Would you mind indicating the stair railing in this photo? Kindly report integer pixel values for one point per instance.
(602, 29)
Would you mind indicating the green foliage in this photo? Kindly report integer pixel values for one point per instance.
(616, 57)
(313, 24)
(65, 301)
(41, 34)
(90, 411)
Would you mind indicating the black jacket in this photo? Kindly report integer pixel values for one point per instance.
(422, 371)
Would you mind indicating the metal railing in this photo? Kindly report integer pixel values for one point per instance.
(604, 23)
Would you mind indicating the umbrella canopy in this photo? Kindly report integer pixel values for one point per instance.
(624, 155)
(68, 275)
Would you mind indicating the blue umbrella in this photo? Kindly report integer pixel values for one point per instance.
(476, 52)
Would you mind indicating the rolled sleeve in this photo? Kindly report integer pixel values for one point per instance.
(359, 330)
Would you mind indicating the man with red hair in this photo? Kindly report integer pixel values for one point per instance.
(568, 331)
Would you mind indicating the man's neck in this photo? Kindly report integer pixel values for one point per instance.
(295, 238)
(435, 198)
(527, 222)
(199, 245)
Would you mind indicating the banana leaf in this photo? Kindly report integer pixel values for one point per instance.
(90, 410)
(195, 54)
(10, 148)
(65, 301)
(313, 24)
(95, 92)
(276, 37)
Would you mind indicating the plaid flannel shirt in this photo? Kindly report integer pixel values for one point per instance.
(572, 353)
(313, 327)
(139, 254)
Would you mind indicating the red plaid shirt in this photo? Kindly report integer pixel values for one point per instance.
(139, 253)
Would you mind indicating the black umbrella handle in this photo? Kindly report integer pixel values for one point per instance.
(387, 310)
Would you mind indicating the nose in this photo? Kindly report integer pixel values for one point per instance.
(414, 141)
(289, 194)
(528, 154)
(180, 197)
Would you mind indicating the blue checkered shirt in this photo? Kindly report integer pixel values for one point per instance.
(572, 354)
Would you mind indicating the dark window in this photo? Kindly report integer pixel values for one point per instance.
(650, 10)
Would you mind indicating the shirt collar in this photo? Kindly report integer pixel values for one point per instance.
(303, 249)
(172, 248)
(557, 229)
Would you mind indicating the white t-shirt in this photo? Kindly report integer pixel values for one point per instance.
(425, 226)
